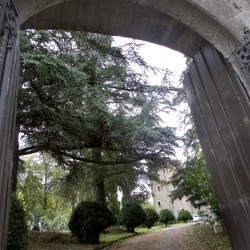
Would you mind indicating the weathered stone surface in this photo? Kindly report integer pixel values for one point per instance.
(180, 25)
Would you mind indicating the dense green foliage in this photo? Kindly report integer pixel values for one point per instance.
(131, 216)
(81, 102)
(18, 229)
(151, 217)
(88, 98)
(166, 216)
(42, 188)
(194, 182)
(89, 219)
(184, 215)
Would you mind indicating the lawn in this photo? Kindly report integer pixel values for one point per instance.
(59, 241)
(205, 234)
(143, 230)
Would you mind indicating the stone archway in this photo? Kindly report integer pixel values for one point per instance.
(183, 25)
(219, 22)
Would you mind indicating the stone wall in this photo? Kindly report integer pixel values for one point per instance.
(180, 25)
(162, 190)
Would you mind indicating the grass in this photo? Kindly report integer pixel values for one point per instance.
(107, 238)
(143, 230)
(206, 235)
(53, 240)
(59, 241)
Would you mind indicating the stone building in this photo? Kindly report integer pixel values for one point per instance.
(161, 191)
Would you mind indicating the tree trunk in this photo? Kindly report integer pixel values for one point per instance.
(126, 197)
(74, 200)
(45, 187)
(100, 189)
(98, 178)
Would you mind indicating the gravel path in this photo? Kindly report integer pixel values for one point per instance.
(172, 238)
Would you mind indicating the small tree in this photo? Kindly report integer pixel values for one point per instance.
(18, 229)
(131, 216)
(184, 215)
(151, 217)
(166, 216)
(89, 219)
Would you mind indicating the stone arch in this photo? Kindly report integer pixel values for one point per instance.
(180, 25)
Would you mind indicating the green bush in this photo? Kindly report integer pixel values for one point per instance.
(89, 219)
(166, 216)
(131, 216)
(151, 217)
(184, 215)
(18, 229)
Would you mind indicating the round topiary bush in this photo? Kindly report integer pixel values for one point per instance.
(89, 219)
(184, 215)
(166, 216)
(131, 216)
(18, 229)
(151, 217)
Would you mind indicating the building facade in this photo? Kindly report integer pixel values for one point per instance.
(161, 192)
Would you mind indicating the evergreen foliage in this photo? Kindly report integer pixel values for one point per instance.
(89, 219)
(131, 216)
(184, 215)
(18, 229)
(151, 217)
(166, 216)
(81, 102)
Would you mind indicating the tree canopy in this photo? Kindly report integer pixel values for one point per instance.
(82, 102)
(194, 182)
(78, 92)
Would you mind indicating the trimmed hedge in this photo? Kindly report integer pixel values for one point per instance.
(151, 217)
(89, 219)
(184, 215)
(131, 216)
(166, 216)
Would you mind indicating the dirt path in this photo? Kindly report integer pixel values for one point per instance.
(172, 238)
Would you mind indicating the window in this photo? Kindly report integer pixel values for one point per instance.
(158, 203)
(158, 188)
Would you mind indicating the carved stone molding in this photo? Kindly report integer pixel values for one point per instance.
(243, 54)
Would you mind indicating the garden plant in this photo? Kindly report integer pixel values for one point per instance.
(89, 219)
(131, 216)
(151, 217)
(166, 216)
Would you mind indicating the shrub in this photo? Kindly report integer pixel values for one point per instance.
(89, 219)
(184, 215)
(18, 229)
(131, 216)
(151, 217)
(166, 216)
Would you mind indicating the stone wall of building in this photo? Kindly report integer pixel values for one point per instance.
(162, 190)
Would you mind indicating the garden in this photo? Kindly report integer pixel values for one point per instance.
(89, 139)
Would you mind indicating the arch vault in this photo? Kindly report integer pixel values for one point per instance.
(210, 31)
